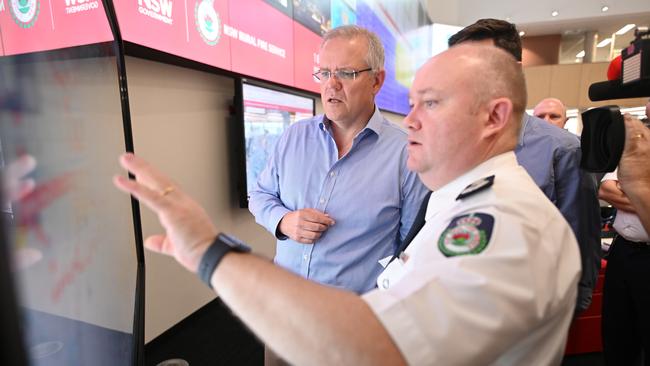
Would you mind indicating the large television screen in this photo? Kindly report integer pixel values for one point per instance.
(35, 25)
(73, 247)
(263, 113)
(278, 40)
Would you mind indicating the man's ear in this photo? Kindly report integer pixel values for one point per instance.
(499, 113)
(380, 76)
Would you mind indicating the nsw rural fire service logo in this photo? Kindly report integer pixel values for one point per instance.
(207, 21)
(468, 234)
(25, 12)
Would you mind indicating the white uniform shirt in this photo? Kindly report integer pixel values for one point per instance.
(627, 224)
(510, 304)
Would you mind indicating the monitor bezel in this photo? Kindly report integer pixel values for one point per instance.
(238, 132)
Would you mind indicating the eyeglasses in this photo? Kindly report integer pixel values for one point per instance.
(343, 74)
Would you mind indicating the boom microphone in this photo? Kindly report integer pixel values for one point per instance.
(614, 89)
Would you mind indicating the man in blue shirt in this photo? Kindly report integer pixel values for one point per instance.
(336, 191)
(552, 158)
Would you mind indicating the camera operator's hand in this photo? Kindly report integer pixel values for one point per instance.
(610, 191)
(634, 168)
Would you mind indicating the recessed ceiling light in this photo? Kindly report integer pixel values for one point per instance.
(581, 54)
(555, 13)
(604, 8)
(604, 42)
(522, 33)
(625, 29)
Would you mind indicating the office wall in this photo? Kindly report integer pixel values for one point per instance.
(541, 50)
(179, 119)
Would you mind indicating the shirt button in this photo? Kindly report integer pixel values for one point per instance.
(332, 174)
(322, 200)
(385, 283)
(305, 257)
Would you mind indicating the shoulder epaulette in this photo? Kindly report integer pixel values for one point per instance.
(479, 185)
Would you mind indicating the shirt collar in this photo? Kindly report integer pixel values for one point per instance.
(375, 124)
(439, 199)
(524, 123)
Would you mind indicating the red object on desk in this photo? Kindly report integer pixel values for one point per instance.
(585, 333)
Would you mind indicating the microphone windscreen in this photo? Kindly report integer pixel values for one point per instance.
(614, 69)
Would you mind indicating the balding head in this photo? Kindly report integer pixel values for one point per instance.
(467, 107)
(552, 110)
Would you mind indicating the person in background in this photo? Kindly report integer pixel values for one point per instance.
(336, 192)
(552, 110)
(490, 279)
(552, 158)
(626, 290)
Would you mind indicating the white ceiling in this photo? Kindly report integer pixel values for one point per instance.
(534, 17)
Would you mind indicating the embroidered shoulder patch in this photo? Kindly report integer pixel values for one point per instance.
(467, 234)
(476, 187)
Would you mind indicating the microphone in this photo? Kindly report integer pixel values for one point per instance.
(614, 69)
(614, 89)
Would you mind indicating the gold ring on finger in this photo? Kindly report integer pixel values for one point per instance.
(167, 190)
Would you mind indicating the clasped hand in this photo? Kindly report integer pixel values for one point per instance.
(306, 225)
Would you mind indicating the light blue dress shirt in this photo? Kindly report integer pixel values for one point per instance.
(369, 192)
(552, 156)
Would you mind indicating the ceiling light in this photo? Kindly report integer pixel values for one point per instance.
(522, 33)
(604, 8)
(555, 13)
(581, 54)
(625, 29)
(604, 42)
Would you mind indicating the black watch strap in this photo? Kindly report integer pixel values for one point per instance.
(222, 245)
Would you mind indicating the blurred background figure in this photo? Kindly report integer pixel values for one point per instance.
(552, 110)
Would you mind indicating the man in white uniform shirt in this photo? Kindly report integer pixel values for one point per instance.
(490, 279)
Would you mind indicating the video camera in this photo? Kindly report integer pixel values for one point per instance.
(603, 135)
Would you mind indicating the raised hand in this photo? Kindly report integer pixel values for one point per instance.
(188, 229)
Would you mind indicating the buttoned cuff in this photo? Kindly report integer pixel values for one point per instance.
(274, 222)
(402, 327)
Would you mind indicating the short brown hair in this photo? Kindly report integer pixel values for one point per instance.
(504, 35)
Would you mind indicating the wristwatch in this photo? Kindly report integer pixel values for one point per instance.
(222, 245)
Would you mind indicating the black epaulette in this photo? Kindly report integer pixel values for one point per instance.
(479, 185)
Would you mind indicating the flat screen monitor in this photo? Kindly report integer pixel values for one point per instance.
(263, 112)
(73, 236)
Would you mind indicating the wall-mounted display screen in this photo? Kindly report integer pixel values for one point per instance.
(273, 40)
(277, 40)
(42, 25)
(263, 115)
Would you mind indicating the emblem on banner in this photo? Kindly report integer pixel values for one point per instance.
(207, 21)
(25, 12)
